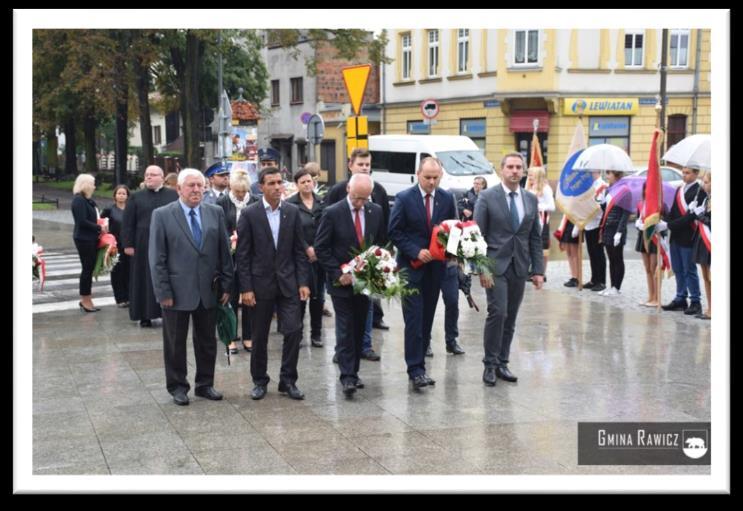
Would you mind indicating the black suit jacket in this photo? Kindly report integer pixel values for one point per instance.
(682, 226)
(263, 269)
(336, 237)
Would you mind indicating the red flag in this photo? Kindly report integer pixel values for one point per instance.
(536, 152)
(653, 189)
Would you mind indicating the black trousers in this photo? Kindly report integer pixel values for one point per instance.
(350, 325)
(87, 250)
(288, 313)
(316, 301)
(616, 265)
(596, 256)
(175, 331)
(120, 278)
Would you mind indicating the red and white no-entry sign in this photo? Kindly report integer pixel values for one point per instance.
(429, 108)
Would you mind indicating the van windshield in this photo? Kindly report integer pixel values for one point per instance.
(465, 163)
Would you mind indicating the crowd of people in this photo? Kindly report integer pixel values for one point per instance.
(193, 240)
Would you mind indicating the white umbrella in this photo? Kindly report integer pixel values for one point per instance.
(604, 157)
(692, 152)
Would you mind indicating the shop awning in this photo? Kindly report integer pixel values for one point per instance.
(522, 121)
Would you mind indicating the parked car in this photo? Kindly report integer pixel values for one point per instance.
(395, 159)
(670, 175)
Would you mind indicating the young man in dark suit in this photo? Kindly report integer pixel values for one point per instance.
(416, 211)
(273, 270)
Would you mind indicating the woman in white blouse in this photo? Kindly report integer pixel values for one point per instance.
(536, 183)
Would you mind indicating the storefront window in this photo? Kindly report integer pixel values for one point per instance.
(609, 130)
(475, 129)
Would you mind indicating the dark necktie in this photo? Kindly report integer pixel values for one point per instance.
(359, 232)
(195, 229)
(514, 213)
(428, 210)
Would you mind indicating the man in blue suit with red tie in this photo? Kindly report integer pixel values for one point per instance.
(416, 211)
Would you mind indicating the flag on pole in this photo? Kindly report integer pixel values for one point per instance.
(575, 191)
(536, 159)
(653, 190)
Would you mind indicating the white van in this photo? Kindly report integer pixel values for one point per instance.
(395, 158)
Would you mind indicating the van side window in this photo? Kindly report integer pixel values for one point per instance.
(396, 163)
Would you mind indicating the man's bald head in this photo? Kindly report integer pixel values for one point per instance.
(359, 188)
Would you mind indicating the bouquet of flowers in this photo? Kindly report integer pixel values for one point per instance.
(462, 241)
(38, 264)
(375, 274)
(233, 242)
(108, 255)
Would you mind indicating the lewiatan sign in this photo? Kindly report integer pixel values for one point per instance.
(601, 106)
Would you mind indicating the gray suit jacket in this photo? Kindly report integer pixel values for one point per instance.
(182, 271)
(521, 248)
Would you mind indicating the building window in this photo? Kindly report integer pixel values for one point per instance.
(633, 48)
(609, 130)
(418, 128)
(475, 129)
(433, 53)
(407, 56)
(526, 47)
(463, 49)
(680, 48)
(157, 136)
(676, 129)
(297, 91)
(274, 93)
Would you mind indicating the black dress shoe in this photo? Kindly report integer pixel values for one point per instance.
(247, 348)
(489, 376)
(429, 380)
(429, 351)
(208, 393)
(316, 342)
(598, 287)
(693, 309)
(454, 348)
(145, 323)
(573, 282)
(259, 392)
(675, 305)
(349, 388)
(588, 285)
(359, 384)
(233, 351)
(180, 397)
(94, 309)
(370, 355)
(380, 325)
(291, 390)
(419, 381)
(504, 374)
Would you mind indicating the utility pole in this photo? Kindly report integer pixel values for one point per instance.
(663, 68)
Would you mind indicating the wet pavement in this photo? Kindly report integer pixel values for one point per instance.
(100, 404)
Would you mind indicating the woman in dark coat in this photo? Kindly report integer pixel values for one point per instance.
(614, 236)
(233, 204)
(85, 234)
(310, 211)
(120, 272)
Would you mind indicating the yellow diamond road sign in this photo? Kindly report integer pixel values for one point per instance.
(355, 78)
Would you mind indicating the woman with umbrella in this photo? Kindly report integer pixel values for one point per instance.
(613, 233)
(702, 248)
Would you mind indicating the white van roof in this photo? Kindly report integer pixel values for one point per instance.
(428, 143)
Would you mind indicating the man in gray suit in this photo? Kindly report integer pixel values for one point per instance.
(188, 251)
(509, 220)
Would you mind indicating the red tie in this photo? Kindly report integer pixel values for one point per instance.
(428, 210)
(359, 233)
